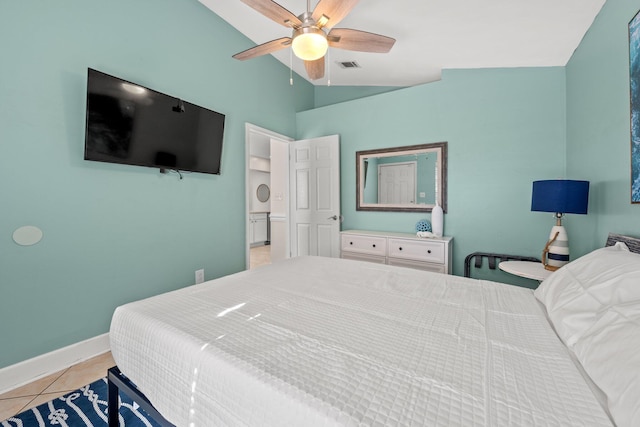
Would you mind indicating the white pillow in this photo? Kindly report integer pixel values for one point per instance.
(576, 294)
(594, 305)
(610, 354)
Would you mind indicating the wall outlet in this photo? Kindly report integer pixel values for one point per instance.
(423, 194)
(199, 276)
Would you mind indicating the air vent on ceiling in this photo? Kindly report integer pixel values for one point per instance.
(349, 64)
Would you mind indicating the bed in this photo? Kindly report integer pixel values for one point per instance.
(324, 342)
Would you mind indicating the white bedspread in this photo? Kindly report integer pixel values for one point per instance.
(322, 342)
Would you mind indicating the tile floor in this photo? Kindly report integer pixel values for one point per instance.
(259, 255)
(55, 385)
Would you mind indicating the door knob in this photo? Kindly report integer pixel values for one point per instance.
(335, 217)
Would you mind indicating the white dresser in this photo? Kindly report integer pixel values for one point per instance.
(402, 249)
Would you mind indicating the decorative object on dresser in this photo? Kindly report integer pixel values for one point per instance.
(423, 229)
(560, 196)
(437, 217)
(401, 249)
(402, 179)
(423, 225)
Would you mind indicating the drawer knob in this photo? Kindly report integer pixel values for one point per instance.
(374, 245)
(400, 248)
(351, 243)
(429, 251)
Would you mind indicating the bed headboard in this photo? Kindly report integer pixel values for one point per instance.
(633, 243)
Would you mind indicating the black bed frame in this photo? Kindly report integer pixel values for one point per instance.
(118, 382)
(492, 257)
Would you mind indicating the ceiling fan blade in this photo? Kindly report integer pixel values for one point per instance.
(264, 48)
(361, 41)
(333, 10)
(315, 69)
(274, 11)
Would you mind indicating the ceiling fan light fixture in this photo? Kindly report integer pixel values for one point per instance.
(309, 43)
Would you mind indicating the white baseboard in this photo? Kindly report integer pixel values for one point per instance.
(49, 363)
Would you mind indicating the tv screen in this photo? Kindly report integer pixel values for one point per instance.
(130, 124)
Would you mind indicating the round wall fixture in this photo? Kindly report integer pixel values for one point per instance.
(263, 192)
(27, 235)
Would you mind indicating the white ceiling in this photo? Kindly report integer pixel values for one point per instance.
(432, 35)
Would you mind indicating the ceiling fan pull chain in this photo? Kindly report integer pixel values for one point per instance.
(329, 67)
(290, 67)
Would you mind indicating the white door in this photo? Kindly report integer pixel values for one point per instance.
(279, 217)
(397, 183)
(315, 196)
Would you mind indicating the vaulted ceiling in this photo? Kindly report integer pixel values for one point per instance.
(432, 35)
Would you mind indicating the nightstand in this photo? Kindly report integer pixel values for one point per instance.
(526, 269)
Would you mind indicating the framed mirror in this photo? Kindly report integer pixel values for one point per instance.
(402, 179)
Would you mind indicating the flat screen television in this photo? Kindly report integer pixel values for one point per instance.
(130, 124)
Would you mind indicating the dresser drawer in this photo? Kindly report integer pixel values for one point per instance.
(418, 265)
(363, 257)
(370, 245)
(420, 250)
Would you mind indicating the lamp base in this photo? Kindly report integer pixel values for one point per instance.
(556, 251)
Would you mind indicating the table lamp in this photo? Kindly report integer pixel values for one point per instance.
(560, 196)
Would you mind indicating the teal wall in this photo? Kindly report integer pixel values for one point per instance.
(329, 95)
(598, 127)
(115, 233)
(505, 129)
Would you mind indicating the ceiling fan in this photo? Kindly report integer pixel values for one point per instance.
(310, 41)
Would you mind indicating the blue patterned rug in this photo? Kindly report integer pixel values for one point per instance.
(84, 407)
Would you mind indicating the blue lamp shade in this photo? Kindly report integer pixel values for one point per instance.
(560, 196)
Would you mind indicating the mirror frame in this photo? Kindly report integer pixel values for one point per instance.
(440, 147)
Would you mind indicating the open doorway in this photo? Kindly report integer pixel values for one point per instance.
(264, 194)
(300, 214)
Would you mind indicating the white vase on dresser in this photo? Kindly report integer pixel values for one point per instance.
(437, 220)
(401, 249)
